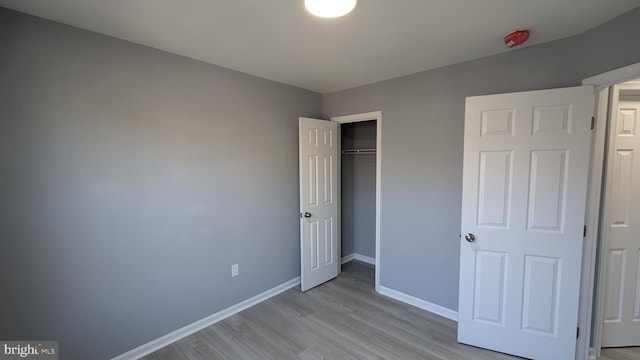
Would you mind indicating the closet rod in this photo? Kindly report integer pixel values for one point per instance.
(358, 151)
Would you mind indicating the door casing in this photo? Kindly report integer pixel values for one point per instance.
(377, 116)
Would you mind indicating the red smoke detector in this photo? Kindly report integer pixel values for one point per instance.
(516, 37)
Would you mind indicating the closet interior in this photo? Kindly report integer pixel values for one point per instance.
(358, 188)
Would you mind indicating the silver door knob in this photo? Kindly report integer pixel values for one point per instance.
(306, 214)
(470, 237)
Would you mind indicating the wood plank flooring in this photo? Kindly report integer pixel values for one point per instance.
(341, 319)
(629, 353)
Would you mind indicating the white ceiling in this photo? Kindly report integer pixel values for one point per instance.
(279, 40)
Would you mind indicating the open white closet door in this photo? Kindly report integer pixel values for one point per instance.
(526, 161)
(318, 156)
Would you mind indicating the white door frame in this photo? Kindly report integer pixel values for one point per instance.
(377, 116)
(590, 325)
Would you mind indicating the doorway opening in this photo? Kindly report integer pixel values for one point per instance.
(360, 173)
(358, 195)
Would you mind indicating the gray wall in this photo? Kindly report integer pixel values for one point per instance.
(422, 141)
(359, 190)
(130, 181)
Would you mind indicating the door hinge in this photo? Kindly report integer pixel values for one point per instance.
(593, 122)
(584, 231)
(578, 333)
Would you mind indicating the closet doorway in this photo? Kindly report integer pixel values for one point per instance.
(359, 189)
(358, 184)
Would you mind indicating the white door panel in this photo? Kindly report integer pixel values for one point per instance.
(526, 159)
(622, 213)
(318, 200)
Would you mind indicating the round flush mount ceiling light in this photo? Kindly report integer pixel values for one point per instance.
(330, 8)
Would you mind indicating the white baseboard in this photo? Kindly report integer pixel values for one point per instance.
(165, 340)
(346, 259)
(422, 304)
(366, 259)
(354, 256)
(592, 353)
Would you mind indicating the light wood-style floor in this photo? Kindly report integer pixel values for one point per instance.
(341, 319)
(630, 353)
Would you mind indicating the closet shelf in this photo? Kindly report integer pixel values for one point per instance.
(358, 151)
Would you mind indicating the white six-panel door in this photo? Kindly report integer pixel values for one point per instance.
(621, 228)
(526, 159)
(318, 201)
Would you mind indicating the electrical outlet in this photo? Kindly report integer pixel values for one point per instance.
(234, 270)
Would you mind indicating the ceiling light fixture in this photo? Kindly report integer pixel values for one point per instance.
(330, 8)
